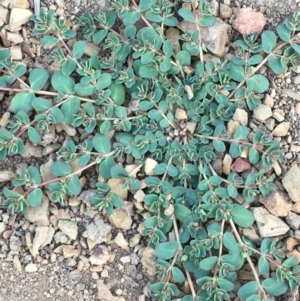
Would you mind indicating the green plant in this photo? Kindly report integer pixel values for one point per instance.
(179, 120)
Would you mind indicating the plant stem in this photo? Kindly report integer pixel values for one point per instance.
(199, 31)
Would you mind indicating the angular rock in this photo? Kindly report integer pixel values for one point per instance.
(214, 37)
(240, 165)
(262, 112)
(291, 94)
(4, 14)
(17, 264)
(69, 228)
(120, 219)
(180, 114)
(277, 203)
(249, 21)
(19, 4)
(15, 243)
(6, 175)
(290, 182)
(149, 166)
(39, 215)
(291, 243)
(69, 252)
(269, 225)
(294, 253)
(2, 227)
(120, 241)
(40, 237)
(116, 187)
(232, 127)
(97, 231)
(99, 256)
(148, 261)
(281, 129)
(293, 220)
(225, 11)
(18, 17)
(31, 268)
(241, 116)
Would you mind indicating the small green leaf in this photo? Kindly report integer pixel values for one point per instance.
(263, 265)
(241, 133)
(38, 78)
(105, 167)
(253, 155)
(229, 240)
(225, 284)
(146, 4)
(166, 250)
(242, 216)
(34, 175)
(22, 102)
(74, 185)
(219, 145)
(117, 93)
(258, 83)
(61, 169)
(33, 135)
(283, 32)
(177, 275)
(248, 290)
(184, 58)
(277, 64)
(35, 197)
(103, 81)
(208, 263)
(275, 287)
(62, 83)
(116, 200)
(68, 68)
(186, 14)
(148, 72)
(207, 20)
(102, 144)
(168, 48)
(268, 41)
(181, 211)
(41, 104)
(78, 49)
(290, 262)
(49, 40)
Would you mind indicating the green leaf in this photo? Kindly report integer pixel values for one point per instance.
(283, 32)
(258, 83)
(118, 172)
(84, 90)
(253, 155)
(242, 216)
(62, 83)
(268, 41)
(69, 108)
(184, 58)
(296, 47)
(166, 250)
(181, 211)
(105, 167)
(229, 240)
(103, 81)
(34, 175)
(277, 64)
(219, 145)
(35, 197)
(241, 133)
(146, 4)
(41, 104)
(168, 48)
(225, 284)
(74, 185)
(263, 265)
(290, 262)
(68, 68)
(61, 169)
(274, 287)
(177, 275)
(148, 72)
(99, 36)
(117, 93)
(116, 200)
(33, 135)
(248, 290)
(78, 49)
(49, 40)
(186, 14)
(236, 72)
(22, 102)
(38, 78)
(208, 263)
(101, 144)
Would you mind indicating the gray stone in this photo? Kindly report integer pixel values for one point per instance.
(97, 231)
(262, 112)
(15, 243)
(39, 215)
(290, 182)
(69, 228)
(86, 196)
(269, 225)
(291, 94)
(293, 220)
(31, 268)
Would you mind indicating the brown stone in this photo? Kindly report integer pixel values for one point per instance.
(240, 165)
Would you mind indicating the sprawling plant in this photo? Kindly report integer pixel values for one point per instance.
(155, 104)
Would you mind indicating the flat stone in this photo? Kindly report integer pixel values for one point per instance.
(149, 166)
(69, 252)
(31, 268)
(41, 234)
(99, 256)
(293, 220)
(148, 261)
(19, 4)
(120, 219)
(291, 94)
(97, 231)
(269, 225)
(18, 17)
(121, 241)
(4, 14)
(2, 227)
(39, 215)
(116, 187)
(17, 264)
(180, 114)
(6, 175)
(249, 21)
(262, 112)
(277, 203)
(241, 116)
(290, 182)
(69, 228)
(281, 129)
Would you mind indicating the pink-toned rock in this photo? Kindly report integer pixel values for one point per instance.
(249, 21)
(240, 165)
(100, 256)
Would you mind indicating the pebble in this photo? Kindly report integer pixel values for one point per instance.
(290, 182)
(31, 268)
(240, 116)
(69, 228)
(262, 112)
(149, 166)
(116, 187)
(99, 256)
(121, 219)
(281, 129)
